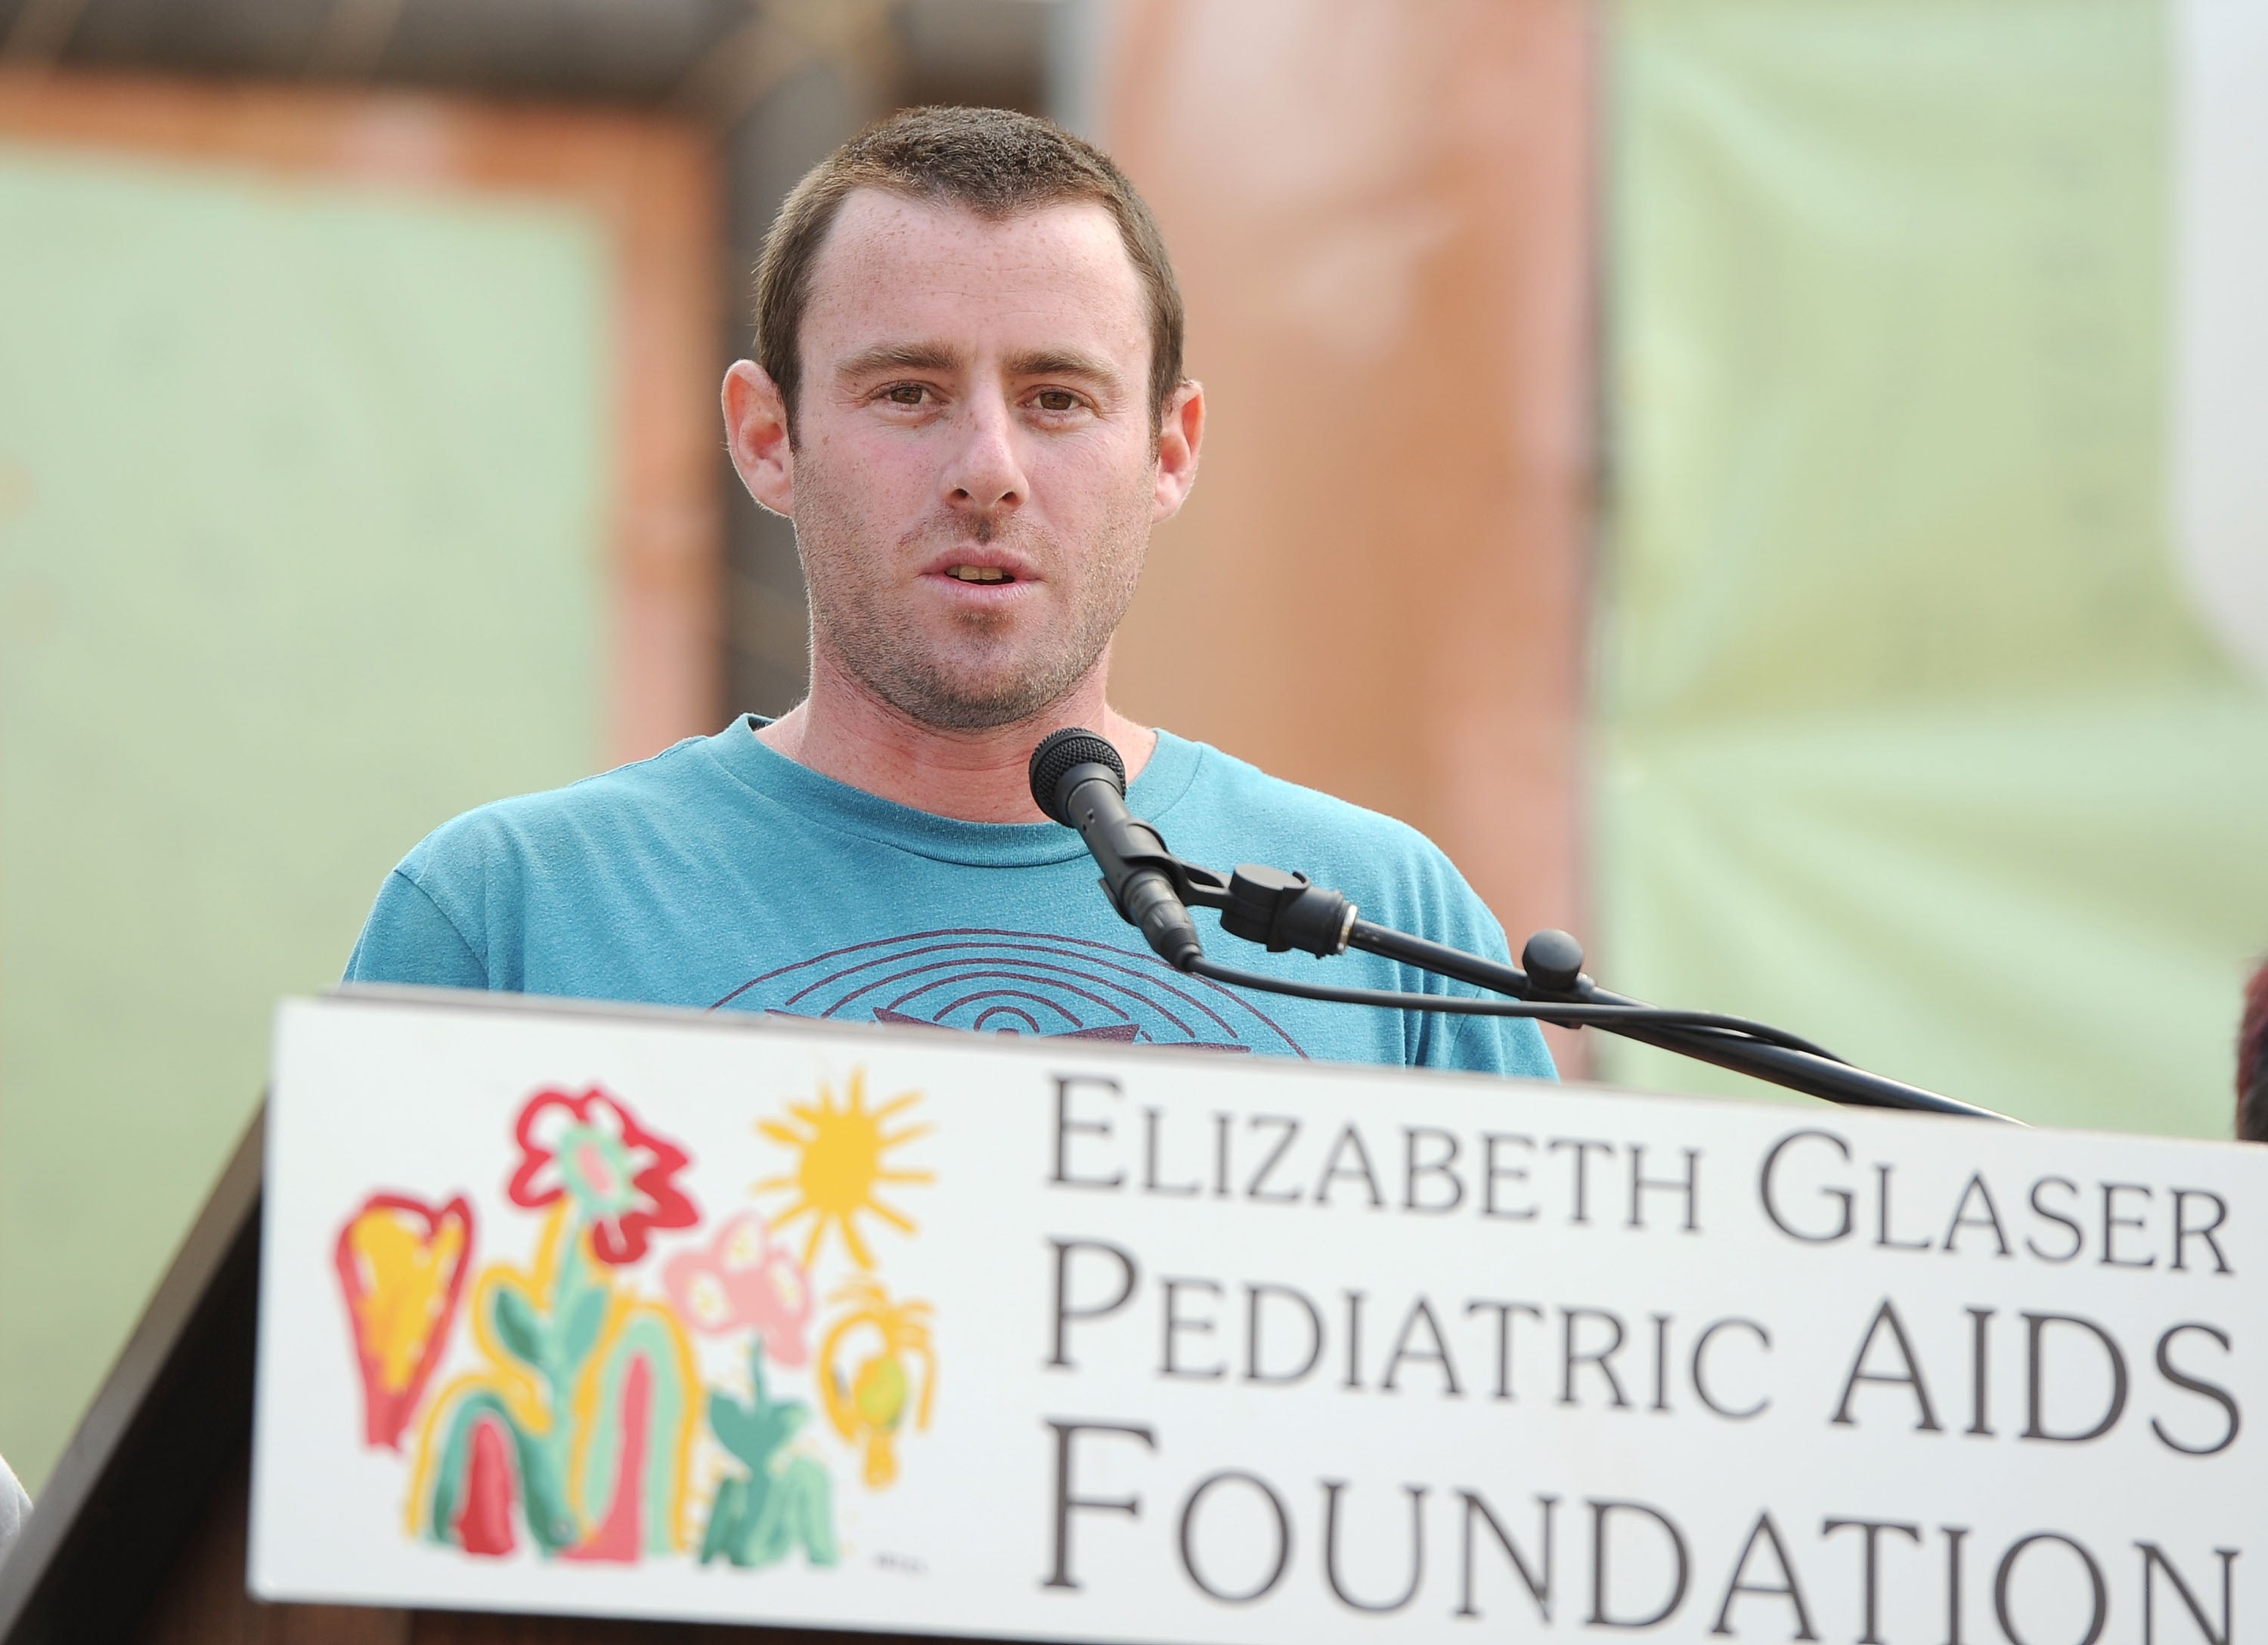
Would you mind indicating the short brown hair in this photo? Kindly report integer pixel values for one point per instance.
(995, 162)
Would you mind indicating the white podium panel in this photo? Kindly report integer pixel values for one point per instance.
(649, 1313)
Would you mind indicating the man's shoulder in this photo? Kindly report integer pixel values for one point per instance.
(555, 824)
(1257, 816)
(1219, 782)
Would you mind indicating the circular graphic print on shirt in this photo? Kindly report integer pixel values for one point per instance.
(1015, 982)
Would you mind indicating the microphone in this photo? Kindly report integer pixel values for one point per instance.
(1079, 780)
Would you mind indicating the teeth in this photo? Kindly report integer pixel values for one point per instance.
(978, 573)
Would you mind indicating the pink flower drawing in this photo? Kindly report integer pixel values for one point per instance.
(744, 1278)
(621, 1176)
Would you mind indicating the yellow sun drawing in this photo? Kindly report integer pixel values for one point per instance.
(840, 1165)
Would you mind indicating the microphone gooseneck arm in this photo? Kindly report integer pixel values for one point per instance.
(1079, 780)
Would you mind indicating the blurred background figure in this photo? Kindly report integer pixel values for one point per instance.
(1771, 485)
(2252, 1061)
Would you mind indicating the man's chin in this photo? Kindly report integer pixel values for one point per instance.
(973, 702)
(976, 713)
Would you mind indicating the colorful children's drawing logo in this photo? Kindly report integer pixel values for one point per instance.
(598, 1395)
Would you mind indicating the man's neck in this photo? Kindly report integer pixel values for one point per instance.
(842, 730)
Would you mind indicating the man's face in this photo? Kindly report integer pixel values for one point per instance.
(974, 476)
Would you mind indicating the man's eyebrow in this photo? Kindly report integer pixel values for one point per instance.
(1063, 362)
(901, 356)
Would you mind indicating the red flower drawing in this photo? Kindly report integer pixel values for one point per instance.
(620, 1175)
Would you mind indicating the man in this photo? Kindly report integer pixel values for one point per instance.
(968, 396)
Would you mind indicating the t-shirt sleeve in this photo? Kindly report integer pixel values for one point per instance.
(407, 939)
(1512, 1046)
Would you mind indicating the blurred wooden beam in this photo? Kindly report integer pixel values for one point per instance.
(40, 31)
(1382, 218)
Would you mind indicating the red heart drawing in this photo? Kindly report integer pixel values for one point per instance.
(402, 1267)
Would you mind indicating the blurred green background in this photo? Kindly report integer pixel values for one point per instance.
(301, 508)
(1909, 730)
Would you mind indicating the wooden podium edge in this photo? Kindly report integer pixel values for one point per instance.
(173, 1414)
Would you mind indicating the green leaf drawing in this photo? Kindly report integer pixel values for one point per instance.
(783, 1503)
(581, 1319)
(520, 1328)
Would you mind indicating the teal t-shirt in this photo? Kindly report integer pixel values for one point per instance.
(721, 874)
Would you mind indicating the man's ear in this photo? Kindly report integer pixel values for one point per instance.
(755, 432)
(1181, 431)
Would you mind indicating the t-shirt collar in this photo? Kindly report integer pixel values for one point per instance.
(827, 803)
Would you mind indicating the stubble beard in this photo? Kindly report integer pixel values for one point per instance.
(996, 669)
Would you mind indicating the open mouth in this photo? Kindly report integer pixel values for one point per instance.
(980, 573)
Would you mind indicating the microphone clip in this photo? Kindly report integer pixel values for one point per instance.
(1138, 847)
(1286, 910)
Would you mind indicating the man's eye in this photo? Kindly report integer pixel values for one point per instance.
(906, 394)
(1058, 400)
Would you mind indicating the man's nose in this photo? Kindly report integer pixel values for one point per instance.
(984, 471)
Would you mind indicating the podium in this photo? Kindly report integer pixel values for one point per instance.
(582, 1323)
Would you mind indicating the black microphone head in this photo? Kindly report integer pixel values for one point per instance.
(1057, 752)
